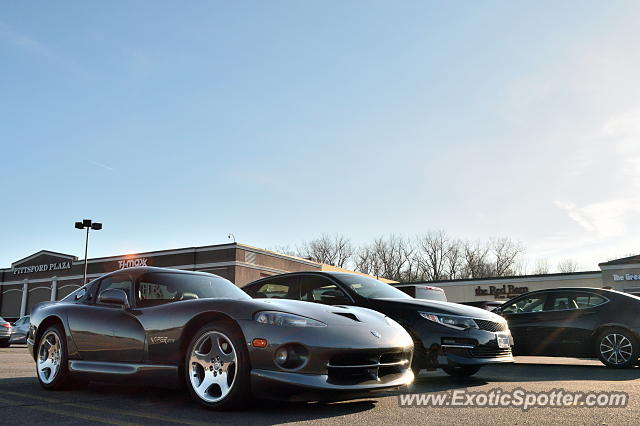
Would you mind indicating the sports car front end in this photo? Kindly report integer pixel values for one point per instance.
(328, 352)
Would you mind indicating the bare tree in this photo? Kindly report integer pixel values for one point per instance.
(455, 260)
(334, 250)
(432, 257)
(505, 256)
(541, 267)
(476, 262)
(568, 265)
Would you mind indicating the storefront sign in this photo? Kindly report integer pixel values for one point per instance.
(500, 292)
(626, 277)
(41, 268)
(130, 263)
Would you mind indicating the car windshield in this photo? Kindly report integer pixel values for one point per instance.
(162, 287)
(371, 288)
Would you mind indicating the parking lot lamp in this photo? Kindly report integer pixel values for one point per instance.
(87, 224)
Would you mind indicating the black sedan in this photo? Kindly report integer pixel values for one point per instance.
(576, 322)
(457, 338)
(167, 326)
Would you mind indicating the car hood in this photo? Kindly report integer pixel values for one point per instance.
(435, 307)
(330, 315)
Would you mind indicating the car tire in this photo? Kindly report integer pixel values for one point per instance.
(418, 360)
(5, 344)
(617, 348)
(461, 370)
(52, 368)
(217, 368)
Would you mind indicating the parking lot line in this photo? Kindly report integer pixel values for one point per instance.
(106, 410)
(65, 413)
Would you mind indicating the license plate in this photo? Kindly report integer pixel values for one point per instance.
(503, 341)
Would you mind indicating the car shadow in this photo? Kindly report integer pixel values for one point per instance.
(160, 405)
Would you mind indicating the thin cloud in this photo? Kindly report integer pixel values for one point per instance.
(40, 49)
(104, 166)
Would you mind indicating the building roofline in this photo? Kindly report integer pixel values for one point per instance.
(511, 277)
(622, 261)
(41, 252)
(169, 252)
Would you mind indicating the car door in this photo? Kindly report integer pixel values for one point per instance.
(105, 332)
(525, 318)
(570, 318)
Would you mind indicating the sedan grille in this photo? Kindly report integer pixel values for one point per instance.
(490, 352)
(491, 326)
(356, 367)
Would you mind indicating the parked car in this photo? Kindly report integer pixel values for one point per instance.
(166, 326)
(421, 291)
(576, 322)
(489, 305)
(19, 330)
(459, 339)
(5, 333)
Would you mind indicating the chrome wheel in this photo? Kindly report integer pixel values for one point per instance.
(616, 349)
(49, 357)
(213, 363)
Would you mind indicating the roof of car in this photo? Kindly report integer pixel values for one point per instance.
(138, 270)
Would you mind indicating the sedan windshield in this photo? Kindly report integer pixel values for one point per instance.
(371, 288)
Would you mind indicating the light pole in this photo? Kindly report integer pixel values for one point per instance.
(87, 224)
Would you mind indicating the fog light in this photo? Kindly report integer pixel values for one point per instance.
(282, 355)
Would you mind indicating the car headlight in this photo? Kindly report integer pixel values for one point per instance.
(282, 318)
(453, 321)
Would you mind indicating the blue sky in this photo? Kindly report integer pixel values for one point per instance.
(175, 124)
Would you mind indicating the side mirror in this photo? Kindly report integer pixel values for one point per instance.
(114, 296)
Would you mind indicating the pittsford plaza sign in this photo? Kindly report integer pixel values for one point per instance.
(501, 291)
(41, 268)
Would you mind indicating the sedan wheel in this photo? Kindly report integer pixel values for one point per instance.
(617, 348)
(217, 367)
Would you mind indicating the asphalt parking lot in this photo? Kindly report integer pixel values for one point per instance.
(22, 401)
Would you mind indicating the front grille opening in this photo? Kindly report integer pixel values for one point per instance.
(356, 368)
(490, 352)
(491, 326)
(348, 315)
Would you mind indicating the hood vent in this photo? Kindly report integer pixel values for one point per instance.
(347, 315)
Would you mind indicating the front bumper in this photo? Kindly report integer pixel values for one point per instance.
(341, 362)
(306, 387)
(442, 346)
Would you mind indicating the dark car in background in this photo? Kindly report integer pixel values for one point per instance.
(167, 326)
(19, 330)
(459, 339)
(576, 322)
(5, 333)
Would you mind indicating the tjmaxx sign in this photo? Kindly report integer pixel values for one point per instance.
(130, 263)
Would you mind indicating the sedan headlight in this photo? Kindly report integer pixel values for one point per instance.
(453, 321)
(282, 318)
